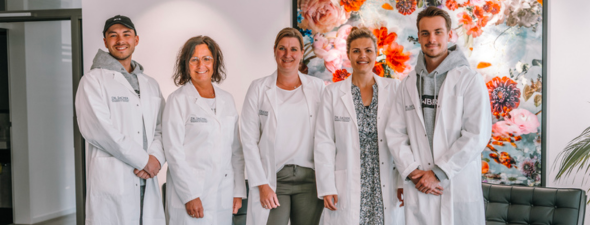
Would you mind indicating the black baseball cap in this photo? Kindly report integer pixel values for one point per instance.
(118, 19)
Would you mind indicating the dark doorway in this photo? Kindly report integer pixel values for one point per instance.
(6, 216)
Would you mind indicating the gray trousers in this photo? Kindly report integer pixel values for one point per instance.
(141, 196)
(298, 196)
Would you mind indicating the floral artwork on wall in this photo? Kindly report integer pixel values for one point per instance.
(502, 39)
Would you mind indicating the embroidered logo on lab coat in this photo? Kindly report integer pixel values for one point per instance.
(198, 120)
(341, 119)
(262, 113)
(119, 99)
(410, 107)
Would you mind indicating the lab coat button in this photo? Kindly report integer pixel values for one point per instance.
(429, 164)
(138, 132)
(226, 175)
(381, 140)
(382, 163)
(310, 116)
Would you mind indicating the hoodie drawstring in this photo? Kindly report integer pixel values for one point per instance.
(435, 87)
(420, 91)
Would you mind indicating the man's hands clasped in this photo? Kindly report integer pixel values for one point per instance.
(151, 169)
(426, 182)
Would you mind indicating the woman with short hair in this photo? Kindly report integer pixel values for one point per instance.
(200, 132)
(278, 121)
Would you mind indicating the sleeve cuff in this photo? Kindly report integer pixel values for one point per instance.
(439, 173)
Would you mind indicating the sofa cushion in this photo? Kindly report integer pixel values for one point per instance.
(533, 205)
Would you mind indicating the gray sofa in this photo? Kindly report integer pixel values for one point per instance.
(533, 205)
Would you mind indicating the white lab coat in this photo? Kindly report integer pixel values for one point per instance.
(462, 130)
(258, 134)
(110, 117)
(337, 154)
(205, 158)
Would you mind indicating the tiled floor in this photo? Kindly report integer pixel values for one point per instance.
(64, 220)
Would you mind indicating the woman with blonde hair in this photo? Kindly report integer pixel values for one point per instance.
(277, 126)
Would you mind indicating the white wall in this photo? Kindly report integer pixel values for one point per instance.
(568, 80)
(40, 77)
(245, 31)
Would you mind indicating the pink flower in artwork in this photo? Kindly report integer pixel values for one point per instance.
(344, 31)
(322, 15)
(331, 47)
(526, 121)
(321, 45)
(333, 60)
(505, 129)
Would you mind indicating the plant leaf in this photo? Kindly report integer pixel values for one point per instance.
(538, 100)
(420, 3)
(574, 156)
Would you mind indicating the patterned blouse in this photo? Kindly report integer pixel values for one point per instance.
(371, 196)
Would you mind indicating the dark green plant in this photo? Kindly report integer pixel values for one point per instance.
(574, 157)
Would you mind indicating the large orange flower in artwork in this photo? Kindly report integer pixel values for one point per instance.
(383, 37)
(395, 57)
(352, 5)
(340, 75)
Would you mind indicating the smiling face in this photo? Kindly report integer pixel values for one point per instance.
(433, 36)
(288, 54)
(120, 41)
(202, 70)
(362, 55)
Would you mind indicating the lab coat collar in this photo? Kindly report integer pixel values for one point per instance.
(190, 90)
(270, 93)
(380, 93)
(413, 93)
(346, 97)
(117, 76)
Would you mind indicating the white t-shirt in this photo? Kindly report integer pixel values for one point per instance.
(294, 135)
(211, 103)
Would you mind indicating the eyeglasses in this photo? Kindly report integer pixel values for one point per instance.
(205, 60)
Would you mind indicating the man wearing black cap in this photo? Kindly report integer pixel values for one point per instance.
(119, 114)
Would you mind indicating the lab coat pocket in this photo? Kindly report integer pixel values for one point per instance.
(107, 175)
(342, 214)
(410, 196)
(341, 188)
(225, 189)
